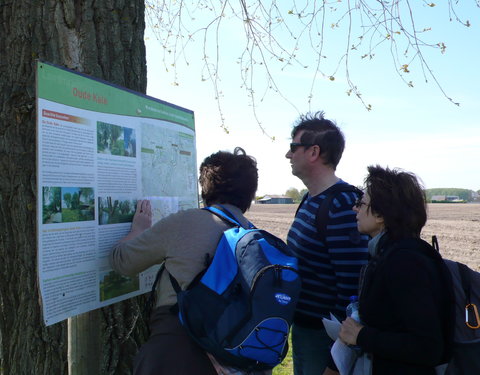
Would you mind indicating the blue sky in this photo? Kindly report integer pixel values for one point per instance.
(416, 129)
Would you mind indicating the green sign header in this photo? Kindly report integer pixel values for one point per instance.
(74, 89)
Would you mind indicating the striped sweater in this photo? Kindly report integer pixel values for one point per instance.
(330, 266)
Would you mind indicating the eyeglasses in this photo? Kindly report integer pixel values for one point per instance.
(294, 146)
(359, 203)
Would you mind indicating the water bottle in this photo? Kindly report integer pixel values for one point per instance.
(352, 309)
(352, 312)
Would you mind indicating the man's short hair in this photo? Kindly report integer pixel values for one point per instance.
(317, 130)
(399, 198)
(231, 178)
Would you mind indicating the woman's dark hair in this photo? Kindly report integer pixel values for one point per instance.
(322, 132)
(399, 198)
(227, 177)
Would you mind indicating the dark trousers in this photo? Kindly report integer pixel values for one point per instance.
(169, 350)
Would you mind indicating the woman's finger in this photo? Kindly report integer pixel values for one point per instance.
(141, 206)
(147, 208)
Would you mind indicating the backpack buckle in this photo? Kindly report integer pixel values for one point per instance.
(471, 316)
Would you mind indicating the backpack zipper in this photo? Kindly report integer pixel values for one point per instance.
(278, 274)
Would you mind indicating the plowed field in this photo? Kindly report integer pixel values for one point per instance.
(457, 227)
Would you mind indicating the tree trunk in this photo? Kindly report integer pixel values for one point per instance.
(103, 39)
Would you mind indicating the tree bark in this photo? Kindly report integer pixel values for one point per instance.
(103, 39)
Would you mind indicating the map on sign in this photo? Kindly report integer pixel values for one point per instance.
(165, 152)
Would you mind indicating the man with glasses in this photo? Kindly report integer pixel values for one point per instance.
(329, 260)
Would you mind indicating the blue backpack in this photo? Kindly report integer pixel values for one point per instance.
(241, 307)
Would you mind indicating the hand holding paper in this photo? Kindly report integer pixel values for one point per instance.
(332, 326)
(349, 331)
(345, 357)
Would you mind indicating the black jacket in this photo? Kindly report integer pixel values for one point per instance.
(406, 305)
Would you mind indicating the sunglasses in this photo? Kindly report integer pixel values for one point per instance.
(294, 146)
(359, 203)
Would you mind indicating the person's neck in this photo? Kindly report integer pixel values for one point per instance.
(321, 182)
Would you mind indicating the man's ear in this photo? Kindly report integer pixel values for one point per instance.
(314, 152)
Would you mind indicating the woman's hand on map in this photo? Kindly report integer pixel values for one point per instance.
(142, 219)
(143, 216)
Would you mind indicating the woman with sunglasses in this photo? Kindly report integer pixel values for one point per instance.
(406, 300)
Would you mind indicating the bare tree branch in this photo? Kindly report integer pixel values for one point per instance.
(277, 35)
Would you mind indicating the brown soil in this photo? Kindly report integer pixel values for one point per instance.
(457, 227)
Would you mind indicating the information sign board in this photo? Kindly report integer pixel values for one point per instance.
(100, 148)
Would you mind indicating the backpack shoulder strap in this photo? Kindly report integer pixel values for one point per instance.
(300, 205)
(152, 297)
(227, 216)
(447, 281)
(324, 207)
(463, 272)
(322, 210)
(176, 286)
(466, 280)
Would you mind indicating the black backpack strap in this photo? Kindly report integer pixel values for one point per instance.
(324, 207)
(464, 272)
(175, 284)
(447, 279)
(152, 297)
(322, 211)
(304, 198)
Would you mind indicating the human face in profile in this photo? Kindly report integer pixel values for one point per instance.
(297, 156)
(367, 221)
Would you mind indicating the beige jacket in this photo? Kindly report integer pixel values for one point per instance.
(181, 240)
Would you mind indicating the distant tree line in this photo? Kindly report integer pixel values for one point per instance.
(463, 194)
(295, 194)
